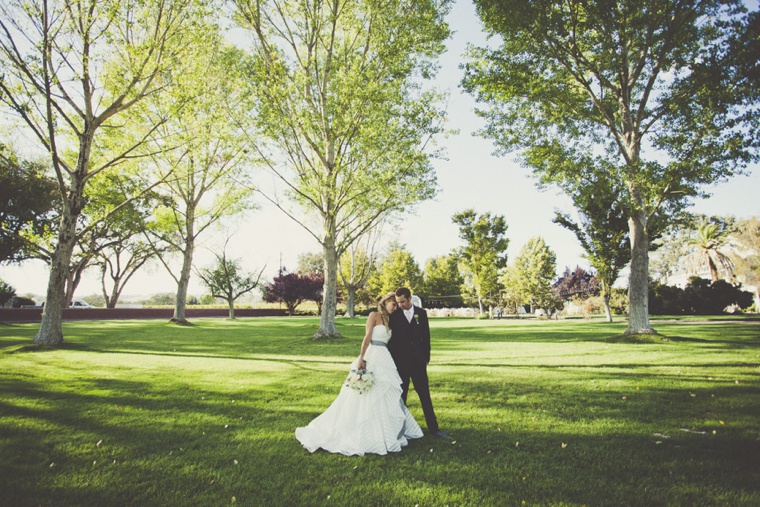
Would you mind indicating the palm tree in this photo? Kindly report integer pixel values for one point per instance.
(709, 246)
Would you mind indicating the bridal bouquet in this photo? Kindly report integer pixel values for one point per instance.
(360, 380)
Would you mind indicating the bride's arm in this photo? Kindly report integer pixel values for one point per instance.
(371, 320)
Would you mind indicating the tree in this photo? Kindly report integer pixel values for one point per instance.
(356, 266)
(119, 262)
(161, 299)
(226, 280)
(399, 269)
(314, 289)
(345, 122)
(528, 279)
(70, 71)
(747, 239)
(205, 185)
(27, 207)
(312, 262)
(664, 93)
(442, 285)
(709, 246)
(577, 283)
(291, 289)
(6, 293)
(603, 226)
(669, 252)
(484, 253)
(114, 214)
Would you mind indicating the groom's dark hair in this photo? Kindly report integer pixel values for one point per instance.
(403, 291)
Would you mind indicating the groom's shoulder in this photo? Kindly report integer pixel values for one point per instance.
(419, 310)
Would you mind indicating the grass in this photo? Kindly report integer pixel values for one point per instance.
(542, 413)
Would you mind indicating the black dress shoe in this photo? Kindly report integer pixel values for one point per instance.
(441, 434)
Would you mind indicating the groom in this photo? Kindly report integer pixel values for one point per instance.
(410, 349)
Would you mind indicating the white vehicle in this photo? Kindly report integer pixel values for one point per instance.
(78, 303)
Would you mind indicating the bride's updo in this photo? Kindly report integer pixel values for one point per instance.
(390, 296)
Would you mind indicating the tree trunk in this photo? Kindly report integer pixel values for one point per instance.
(74, 278)
(350, 301)
(607, 310)
(713, 268)
(231, 303)
(187, 265)
(184, 281)
(115, 291)
(638, 284)
(51, 327)
(327, 327)
(480, 304)
(69, 290)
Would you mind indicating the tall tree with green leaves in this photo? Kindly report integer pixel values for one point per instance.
(211, 155)
(346, 121)
(665, 92)
(399, 269)
(443, 282)
(602, 228)
(70, 70)
(484, 252)
(528, 280)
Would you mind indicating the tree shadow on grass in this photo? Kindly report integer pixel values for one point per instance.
(185, 443)
(120, 442)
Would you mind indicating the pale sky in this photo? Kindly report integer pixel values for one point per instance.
(471, 178)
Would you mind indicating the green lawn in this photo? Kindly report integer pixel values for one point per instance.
(542, 413)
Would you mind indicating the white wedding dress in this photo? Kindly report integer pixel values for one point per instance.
(375, 422)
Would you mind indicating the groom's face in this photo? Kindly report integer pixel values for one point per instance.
(403, 303)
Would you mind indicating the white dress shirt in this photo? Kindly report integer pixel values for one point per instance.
(409, 314)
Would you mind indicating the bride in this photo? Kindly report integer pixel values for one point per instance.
(376, 421)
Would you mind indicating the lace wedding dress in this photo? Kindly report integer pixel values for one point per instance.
(374, 422)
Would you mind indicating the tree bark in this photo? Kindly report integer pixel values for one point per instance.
(350, 301)
(607, 310)
(187, 264)
(184, 280)
(51, 327)
(713, 268)
(231, 303)
(327, 327)
(638, 284)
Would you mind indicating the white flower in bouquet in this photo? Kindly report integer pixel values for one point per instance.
(360, 380)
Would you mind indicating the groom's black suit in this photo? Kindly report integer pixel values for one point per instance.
(410, 348)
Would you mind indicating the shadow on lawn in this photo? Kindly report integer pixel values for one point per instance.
(178, 444)
(123, 442)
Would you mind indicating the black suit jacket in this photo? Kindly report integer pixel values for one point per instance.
(410, 341)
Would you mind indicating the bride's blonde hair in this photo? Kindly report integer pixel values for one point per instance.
(384, 311)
